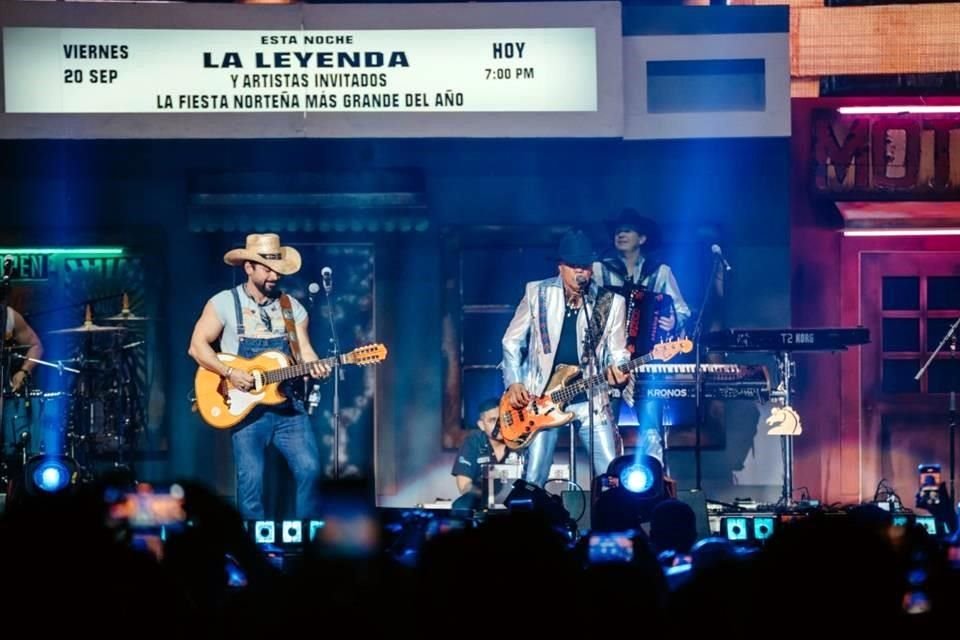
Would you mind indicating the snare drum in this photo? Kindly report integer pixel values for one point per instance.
(34, 423)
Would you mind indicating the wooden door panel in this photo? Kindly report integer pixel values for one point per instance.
(905, 299)
(909, 439)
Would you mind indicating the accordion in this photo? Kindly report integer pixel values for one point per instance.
(644, 310)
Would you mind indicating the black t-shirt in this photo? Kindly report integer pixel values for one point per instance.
(475, 452)
(567, 345)
(567, 348)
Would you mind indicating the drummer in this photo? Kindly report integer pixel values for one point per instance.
(17, 331)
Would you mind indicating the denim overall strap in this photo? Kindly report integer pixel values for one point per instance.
(239, 311)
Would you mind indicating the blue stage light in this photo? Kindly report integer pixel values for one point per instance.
(763, 527)
(640, 475)
(636, 478)
(264, 532)
(628, 493)
(291, 532)
(735, 528)
(50, 474)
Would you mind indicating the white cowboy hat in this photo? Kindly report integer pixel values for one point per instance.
(265, 249)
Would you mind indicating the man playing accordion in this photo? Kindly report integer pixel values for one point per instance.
(656, 310)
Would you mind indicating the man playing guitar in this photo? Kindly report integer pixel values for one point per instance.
(247, 320)
(550, 325)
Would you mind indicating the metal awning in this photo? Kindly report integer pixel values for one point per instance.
(383, 201)
(900, 215)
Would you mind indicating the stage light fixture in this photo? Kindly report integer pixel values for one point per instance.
(314, 529)
(929, 524)
(735, 528)
(291, 532)
(641, 476)
(50, 474)
(636, 479)
(763, 527)
(751, 527)
(628, 493)
(264, 532)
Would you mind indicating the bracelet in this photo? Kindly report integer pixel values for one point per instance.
(229, 371)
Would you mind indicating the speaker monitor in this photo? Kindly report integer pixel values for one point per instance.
(697, 500)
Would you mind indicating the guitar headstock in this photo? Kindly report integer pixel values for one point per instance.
(667, 350)
(369, 354)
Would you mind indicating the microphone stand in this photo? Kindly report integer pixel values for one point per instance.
(950, 336)
(337, 377)
(588, 364)
(698, 374)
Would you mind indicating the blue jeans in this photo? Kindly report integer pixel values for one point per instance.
(650, 422)
(290, 433)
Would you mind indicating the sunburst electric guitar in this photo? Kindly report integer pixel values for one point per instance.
(222, 405)
(519, 426)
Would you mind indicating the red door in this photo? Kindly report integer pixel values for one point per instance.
(908, 300)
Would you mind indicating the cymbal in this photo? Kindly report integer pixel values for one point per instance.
(89, 327)
(127, 317)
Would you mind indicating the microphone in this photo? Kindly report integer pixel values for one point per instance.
(312, 289)
(7, 267)
(327, 274)
(715, 249)
(583, 283)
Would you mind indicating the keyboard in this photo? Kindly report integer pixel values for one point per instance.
(720, 381)
(821, 339)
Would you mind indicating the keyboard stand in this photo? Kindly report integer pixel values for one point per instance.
(788, 369)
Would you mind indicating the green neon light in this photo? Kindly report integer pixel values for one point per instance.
(99, 251)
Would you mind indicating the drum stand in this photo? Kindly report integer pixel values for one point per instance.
(4, 356)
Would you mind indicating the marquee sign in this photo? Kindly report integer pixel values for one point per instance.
(864, 157)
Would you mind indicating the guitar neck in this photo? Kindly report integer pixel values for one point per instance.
(566, 394)
(297, 370)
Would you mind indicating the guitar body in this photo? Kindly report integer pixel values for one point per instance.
(221, 404)
(519, 426)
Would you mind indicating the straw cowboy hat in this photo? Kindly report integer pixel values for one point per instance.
(265, 249)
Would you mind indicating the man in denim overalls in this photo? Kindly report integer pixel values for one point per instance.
(248, 320)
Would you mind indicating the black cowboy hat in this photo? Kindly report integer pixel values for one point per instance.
(631, 219)
(576, 249)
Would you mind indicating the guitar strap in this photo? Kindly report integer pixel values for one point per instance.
(286, 309)
(601, 309)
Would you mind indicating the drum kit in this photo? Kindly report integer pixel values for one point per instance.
(97, 417)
